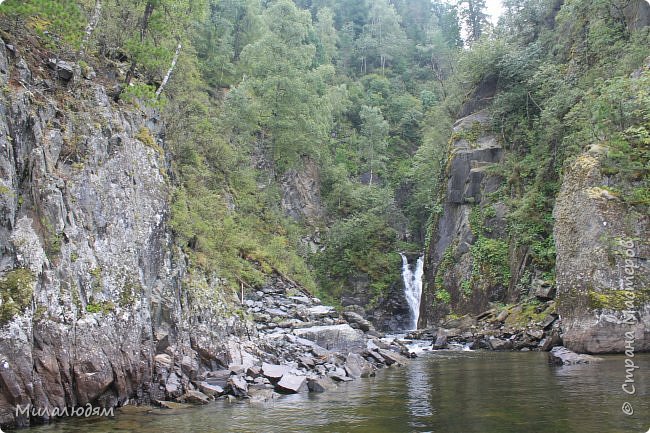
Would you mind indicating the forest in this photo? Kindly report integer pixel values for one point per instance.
(364, 94)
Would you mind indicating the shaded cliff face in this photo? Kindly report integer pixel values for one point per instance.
(602, 267)
(453, 278)
(90, 280)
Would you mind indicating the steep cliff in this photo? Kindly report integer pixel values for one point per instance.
(92, 286)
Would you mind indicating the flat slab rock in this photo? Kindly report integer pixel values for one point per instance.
(562, 356)
(291, 383)
(273, 371)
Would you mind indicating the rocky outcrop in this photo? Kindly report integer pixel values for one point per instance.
(449, 280)
(301, 192)
(602, 263)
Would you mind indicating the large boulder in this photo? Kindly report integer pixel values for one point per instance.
(274, 372)
(601, 268)
(320, 384)
(194, 397)
(291, 383)
(341, 338)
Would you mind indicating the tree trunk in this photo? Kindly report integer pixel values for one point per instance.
(90, 28)
(170, 70)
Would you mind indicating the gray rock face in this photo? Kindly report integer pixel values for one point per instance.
(64, 70)
(601, 265)
(83, 207)
(301, 192)
(109, 313)
(468, 185)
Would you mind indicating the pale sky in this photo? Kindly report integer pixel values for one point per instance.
(494, 9)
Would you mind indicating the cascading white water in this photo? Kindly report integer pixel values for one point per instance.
(413, 287)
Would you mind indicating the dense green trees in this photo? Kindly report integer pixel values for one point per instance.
(368, 90)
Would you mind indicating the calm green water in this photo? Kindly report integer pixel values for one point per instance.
(459, 392)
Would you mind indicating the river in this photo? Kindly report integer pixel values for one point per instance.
(443, 391)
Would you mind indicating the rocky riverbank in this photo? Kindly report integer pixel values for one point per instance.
(294, 344)
(530, 325)
(99, 305)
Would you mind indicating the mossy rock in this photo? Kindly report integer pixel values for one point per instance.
(104, 307)
(616, 299)
(529, 313)
(16, 290)
(144, 136)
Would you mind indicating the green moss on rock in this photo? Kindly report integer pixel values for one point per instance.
(16, 290)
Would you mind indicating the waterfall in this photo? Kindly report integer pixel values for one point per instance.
(413, 287)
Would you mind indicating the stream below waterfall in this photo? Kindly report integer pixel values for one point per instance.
(441, 391)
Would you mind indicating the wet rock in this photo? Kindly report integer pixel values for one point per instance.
(500, 344)
(340, 377)
(171, 404)
(320, 385)
(290, 383)
(374, 355)
(562, 356)
(194, 397)
(440, 343)
(238, 386)
(262, 394)
(356, 366)
(551, 341)
(210, 390)
(393, 357)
